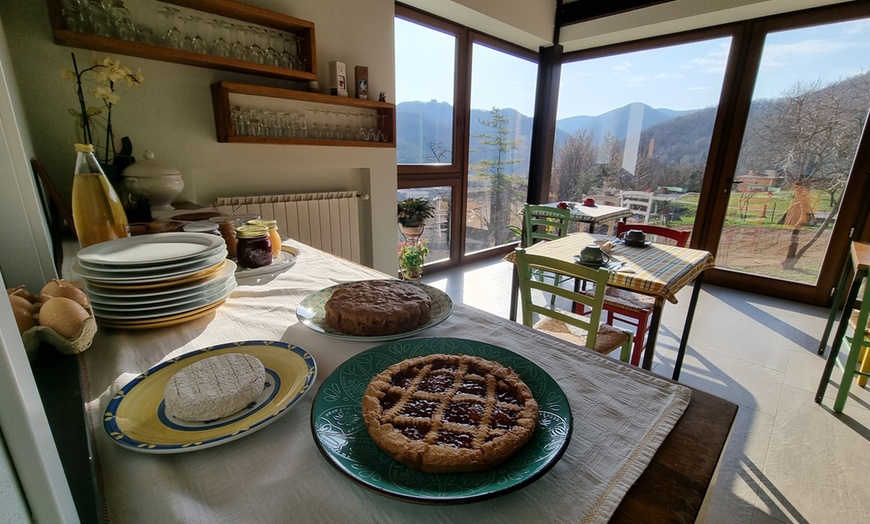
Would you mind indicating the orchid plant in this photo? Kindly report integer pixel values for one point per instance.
(100, 80)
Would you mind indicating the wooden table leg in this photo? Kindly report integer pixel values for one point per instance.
(652, 334)
(841, 330)
(690, 314)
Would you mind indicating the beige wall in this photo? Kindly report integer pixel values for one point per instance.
(171, 114)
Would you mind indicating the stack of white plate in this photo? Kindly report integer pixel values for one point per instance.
(156, 280)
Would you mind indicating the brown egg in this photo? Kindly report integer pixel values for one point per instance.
(21, 291)
(24, 319)
(60, 288)
(65, 316)
(23, 303)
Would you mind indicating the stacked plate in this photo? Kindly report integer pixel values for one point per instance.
(156, 280)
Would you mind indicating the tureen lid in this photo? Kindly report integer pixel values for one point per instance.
(149, 167)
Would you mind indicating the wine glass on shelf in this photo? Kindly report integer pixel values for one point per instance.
(372, 120)
(98, 16)
(287, 59)
(172, 37)
(73, 15)
(299, 60)
(197, 42)
(219, 45)
(382, 129)
(363, 133)
(272, 57)
(237, 48)
(253, 51)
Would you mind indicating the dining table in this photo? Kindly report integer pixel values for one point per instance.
(621, 444)
(593, 214)
(656, 270)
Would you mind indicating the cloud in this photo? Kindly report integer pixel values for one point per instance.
(778, 56)
(622, 68)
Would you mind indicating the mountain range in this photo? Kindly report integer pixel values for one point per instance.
(425, 130)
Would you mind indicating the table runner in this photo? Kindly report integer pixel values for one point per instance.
(657, 269)
(621, 416)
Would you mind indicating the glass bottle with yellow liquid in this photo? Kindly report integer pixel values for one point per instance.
(97, 211)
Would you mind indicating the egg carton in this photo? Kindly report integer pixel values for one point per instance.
(36, 335)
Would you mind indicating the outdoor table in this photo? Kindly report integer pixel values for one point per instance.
(656, 445)
(657, 270)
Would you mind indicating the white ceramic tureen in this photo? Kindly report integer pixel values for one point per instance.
(157, 181)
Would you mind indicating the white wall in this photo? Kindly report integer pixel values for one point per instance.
(171, 114)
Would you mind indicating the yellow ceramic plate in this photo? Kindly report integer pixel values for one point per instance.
(135, 417)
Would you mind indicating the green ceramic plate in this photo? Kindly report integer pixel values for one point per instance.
(340, 433)
(311, 312)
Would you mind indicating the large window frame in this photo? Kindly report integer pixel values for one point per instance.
(455, 174)
(742, 69)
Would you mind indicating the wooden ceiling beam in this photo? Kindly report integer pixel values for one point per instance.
(583, 10)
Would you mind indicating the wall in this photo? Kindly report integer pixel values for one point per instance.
(171, 114)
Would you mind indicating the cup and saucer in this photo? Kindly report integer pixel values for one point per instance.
(592, 256)
(635, 238)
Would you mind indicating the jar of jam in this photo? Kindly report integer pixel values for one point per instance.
(253, 246)
(272, 225)
(227, 230)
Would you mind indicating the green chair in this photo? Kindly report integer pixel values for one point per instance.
(858, 343)
(587, 331)
(544, 223)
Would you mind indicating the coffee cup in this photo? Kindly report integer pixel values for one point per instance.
(589, 202)
(593, 255)
(635, 236)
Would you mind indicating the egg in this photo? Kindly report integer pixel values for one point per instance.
(60, 288)
(23, 303)
(21, 291)
(63, 315)
(24, 319)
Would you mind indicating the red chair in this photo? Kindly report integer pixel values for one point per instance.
(635, 308)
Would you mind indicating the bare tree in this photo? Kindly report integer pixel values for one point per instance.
(572, 167)
(440, 154)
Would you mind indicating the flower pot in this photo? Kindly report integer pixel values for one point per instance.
(411, 230)
(412, 274)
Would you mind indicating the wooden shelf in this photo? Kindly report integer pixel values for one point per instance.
(224, 8)
(222, 91)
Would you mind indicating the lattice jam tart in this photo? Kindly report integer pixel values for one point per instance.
(449, 413)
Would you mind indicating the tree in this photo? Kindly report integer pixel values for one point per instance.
(572, 167)
(493, 183)
(808, 136)
(440, 154)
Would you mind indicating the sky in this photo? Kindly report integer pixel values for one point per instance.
(682, 77)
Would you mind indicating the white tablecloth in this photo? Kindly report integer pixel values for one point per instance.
(621, 416)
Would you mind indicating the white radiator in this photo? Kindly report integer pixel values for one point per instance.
(327, 221)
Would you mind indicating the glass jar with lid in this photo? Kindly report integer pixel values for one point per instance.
(253, 247)
(272, 226)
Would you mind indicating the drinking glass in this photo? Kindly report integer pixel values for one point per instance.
(253, 51)
(98, 16)
(272, 56)
(219, 46)
(237, 48)
(197, 42)
(73, 16)
(287, 59)
(383, 136)
(172, 37)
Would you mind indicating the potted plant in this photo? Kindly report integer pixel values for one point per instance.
(412, 212)
(411, 256)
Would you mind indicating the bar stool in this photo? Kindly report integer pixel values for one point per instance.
(860, 262)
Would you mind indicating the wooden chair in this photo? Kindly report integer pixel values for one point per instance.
(587, 331)
(635, 308)
(544, 223)
(640, 203)
(857, 318)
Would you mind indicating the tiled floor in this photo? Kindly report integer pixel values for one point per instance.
(789, 459)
